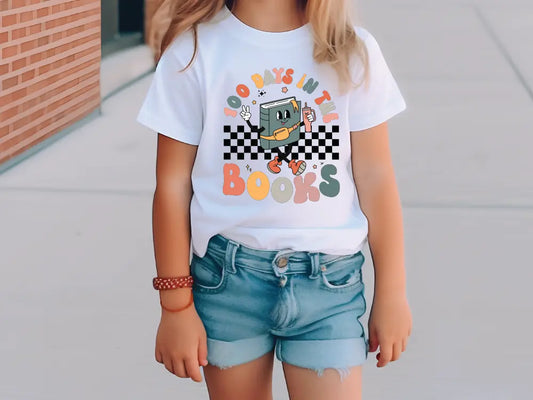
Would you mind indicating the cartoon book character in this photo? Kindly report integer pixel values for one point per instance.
(280, 122)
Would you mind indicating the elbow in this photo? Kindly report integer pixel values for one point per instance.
(175, 189)
(375, 176)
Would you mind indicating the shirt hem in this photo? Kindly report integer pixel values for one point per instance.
(380, 118)
(239, 238)
(149, 122)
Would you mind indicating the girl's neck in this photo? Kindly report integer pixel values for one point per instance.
(269, 15)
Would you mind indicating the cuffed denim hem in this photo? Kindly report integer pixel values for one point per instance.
(339, 354)
(225, 354)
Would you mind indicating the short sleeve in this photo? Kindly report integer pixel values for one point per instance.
(173, 105)
(382, 99)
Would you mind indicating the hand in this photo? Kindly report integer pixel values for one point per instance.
(307, 121)
(389, 326)
(245, 113)
(181, 343)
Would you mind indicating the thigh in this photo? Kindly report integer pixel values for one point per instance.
(306, 384)
(251, 380)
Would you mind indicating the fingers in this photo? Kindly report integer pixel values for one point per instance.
(158, 357)
(390, 351)
(167, 361)
(175, 365)
(385, 354)
(245, 113)
(193, 369)
(396, 350)
(183, 368)
(179, 368)
(372, 341)
(202, 351)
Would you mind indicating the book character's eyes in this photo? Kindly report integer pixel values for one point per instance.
(279, 115)
(287, 114)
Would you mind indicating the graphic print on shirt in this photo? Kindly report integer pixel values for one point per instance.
(280, 126)
(278, 137)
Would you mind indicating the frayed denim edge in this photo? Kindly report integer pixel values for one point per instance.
(343, 372)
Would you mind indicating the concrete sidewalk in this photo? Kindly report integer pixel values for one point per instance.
(79, 315)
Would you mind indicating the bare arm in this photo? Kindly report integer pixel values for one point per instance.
(181, 342)
(390, 321)
(380, 202)
(171, 214)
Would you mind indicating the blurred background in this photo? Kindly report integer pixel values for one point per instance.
(78, 315)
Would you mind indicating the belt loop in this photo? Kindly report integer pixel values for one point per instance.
(315, 265)
(229, 260)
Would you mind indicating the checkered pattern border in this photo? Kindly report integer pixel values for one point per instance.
(321, 141)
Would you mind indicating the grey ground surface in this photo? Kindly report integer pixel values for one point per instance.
(78, 315)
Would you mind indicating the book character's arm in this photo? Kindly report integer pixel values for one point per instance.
(246, 114)
(254, 128)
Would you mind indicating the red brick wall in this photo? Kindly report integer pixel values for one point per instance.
(49, 69)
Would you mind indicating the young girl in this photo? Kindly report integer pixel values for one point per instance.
(273, 162)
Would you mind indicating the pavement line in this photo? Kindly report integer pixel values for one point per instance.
(126, 85)
(503, 50)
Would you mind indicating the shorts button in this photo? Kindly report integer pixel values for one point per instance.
(282, 262)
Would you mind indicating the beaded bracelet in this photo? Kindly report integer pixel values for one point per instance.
(172, 283)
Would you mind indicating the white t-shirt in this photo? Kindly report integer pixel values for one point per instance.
(273, 166)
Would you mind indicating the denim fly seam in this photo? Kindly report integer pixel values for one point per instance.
(286, 309)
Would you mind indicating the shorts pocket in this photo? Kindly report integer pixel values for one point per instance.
(343, 274)
(209, 273)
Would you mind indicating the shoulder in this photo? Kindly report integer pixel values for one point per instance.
(374, 52)
(361, 31)
(208, 33)
(213, 28)
(366, 36)
(181, 49)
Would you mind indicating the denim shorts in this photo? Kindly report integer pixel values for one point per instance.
(306, 305)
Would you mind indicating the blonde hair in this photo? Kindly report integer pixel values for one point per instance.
(335, 40)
